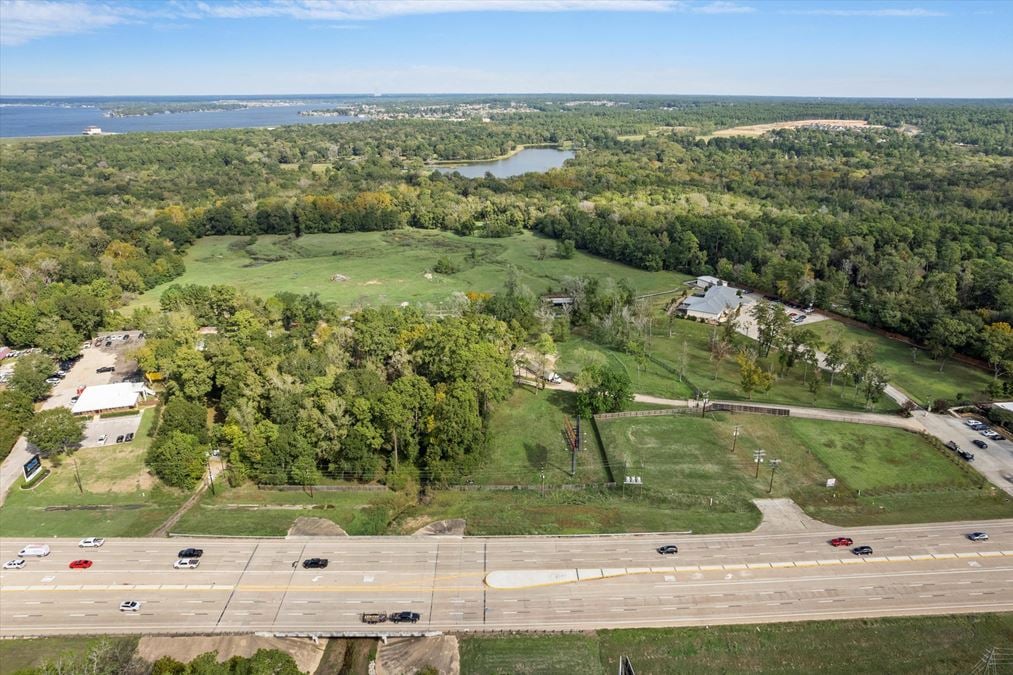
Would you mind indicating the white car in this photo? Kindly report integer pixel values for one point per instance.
(973, 423)
(130, 606)
(14, 564)
(91, 542)
(102, 439)
(186, 563)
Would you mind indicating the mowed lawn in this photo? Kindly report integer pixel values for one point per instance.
(930, 645)
(118, 496)
(912, 480)
(702, 373)
(526, 439)
(919, 376)
(391, 267)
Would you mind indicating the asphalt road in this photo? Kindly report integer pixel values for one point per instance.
(245, 585)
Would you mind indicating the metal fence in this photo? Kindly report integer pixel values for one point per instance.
(742, 408)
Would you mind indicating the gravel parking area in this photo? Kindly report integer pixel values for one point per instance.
(83, 373)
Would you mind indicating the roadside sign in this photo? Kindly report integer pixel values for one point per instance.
(32, 467)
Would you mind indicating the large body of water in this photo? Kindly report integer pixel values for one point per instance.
(69, 117)
(525, 161)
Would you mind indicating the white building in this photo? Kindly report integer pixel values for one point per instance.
(101, 398)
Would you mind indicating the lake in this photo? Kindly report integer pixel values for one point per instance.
(69, 118)
(525, 161)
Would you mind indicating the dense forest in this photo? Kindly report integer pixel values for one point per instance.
(908, 226)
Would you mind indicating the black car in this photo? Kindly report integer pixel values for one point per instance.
(129, 437)
(862, 550)
(105, 369)
(965, 455)
(668, 549)
(952, 446)
(314, 563)
(979, 443)
(119, 439)
(404, 617)
(191, 553)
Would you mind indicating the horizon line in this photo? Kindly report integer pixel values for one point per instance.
(508, 93)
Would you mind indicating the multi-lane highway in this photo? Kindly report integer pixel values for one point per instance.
(246, 585)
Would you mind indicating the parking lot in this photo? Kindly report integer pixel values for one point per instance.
(110, 428)
(83, 373)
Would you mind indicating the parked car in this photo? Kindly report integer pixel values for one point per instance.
(862, 550)
(80, 564)
(978, 536)
(979, 443)
(404, 617)
(130, 606)
(973, 423)
(105, 369)
(91, 542)
(14, 564)
(994, 435)
(129, 437)
(952, 446)
(314, 563)
(52, 380)
(186, 563)
(119, 439)
(842, 541)
(374, 617)
(965, 455)
(102, 439)
(190, 553)
(668, 549)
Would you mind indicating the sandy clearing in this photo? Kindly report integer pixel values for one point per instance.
(760, 129)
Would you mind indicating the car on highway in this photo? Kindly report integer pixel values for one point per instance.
(978, 536)
(404, 617)
(80, 564)
(190, 553)
(130, 606)
(842, 541)
(14, 564)
(105, 369)
(862, 550)
(186, 563)
(36, 550)
(314, 563)
(374, 617)
(979, 443)
(668, 549)
(91, 542)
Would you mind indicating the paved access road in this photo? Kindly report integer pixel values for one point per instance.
(257, 585)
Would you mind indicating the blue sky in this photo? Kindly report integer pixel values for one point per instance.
(150, 47)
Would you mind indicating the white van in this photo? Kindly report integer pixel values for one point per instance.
(554, 378)
(36, 550)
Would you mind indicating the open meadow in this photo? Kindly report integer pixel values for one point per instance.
(911, 369)
(929, 645)
(391, 267)
(903, 478)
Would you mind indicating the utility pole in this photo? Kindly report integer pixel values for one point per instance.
(774, 463)
(735, 435)
(211, 476)
(77, 477)
(758, 456)
(543, 481)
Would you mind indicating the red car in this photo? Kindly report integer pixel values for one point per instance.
(841, 541)
(80, 564)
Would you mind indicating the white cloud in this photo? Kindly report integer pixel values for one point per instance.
(721, 7)
(911, 12)
(25, 20)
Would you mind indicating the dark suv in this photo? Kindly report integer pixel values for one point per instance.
(668, 549)
(862, 550)
(314, 563)
(105, 369)
(190, 553)
(404, 617)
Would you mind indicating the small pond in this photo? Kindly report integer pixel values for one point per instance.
(525, 161)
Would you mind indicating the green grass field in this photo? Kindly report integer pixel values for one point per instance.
(120, 498)
(929, 645)
(702, 373)
(918, 377)
(23, 654)
(390, 267)
(912, 480)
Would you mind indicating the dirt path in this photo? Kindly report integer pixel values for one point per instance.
(164, 529)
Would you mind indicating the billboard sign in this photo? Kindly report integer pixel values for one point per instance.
(32, 467)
